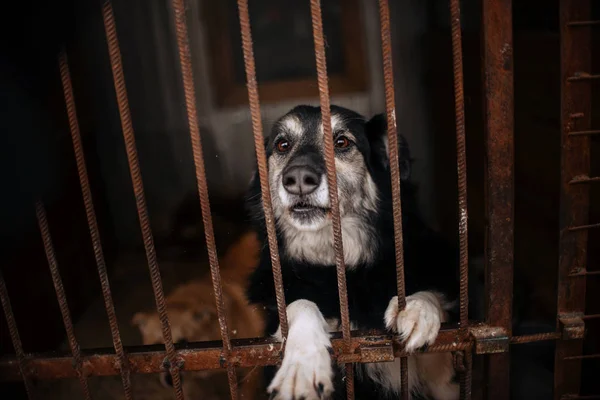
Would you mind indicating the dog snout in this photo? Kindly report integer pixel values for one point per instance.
(301, 180)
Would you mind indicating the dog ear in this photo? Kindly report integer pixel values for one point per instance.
(376, 129)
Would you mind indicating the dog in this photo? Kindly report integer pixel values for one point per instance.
(193, 316)
(299, 193)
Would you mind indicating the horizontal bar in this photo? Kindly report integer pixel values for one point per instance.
(582, 227)
(583, 76)
(584, 273)
(584, 357)
(583, 23)
(536, 337)
(585, 133)
(591, 316)
(584, 179)
(209, 355)
(245, 353)
(578, 397)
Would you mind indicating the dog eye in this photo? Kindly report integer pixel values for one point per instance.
(282, 145)
(342, 142)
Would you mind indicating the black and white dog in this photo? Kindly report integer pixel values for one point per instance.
(300, 200)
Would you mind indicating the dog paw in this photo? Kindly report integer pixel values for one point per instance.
(420, 321)
(306, 371)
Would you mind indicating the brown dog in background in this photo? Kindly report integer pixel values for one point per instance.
(193, 314)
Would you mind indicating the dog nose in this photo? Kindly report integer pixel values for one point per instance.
(301, 180)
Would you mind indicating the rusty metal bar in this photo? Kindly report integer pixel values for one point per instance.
(574, 199)
(172, 361)
(461, 164)
(537, 337)
(208, 355)
(584, 179)
(392, 133)
(261, 160)
(15, 338)
(580, 76)
(583, 227)
(577, 397)
(585, 133)
(591, 316)
(93, 223)
(62, 299)
(583, 23)
(499, 172)
(185, 60)
(461, 157)
(584, 357)
(321, 61)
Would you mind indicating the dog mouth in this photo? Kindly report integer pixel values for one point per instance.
(306, 209)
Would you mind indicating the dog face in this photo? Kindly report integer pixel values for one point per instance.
(299, 189)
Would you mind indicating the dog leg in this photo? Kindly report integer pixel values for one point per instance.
(306, 371)
(420, 321)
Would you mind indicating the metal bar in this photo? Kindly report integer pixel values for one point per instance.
(583, 227)
(138, 188)
(392, 133)
(591, 316)
(537, 337)
(62, 299)
(584, 179)
(580, 76)
(583, 23)
(584, 273)
(584, 357)
(574, 199)
(321, 61)
(499, 130)
(261, 160)
(185, 60)
(93, 223)
(15, 338)
(585, 133)
(577, 397)
(208, 355)
(461, 157)
(463, 215)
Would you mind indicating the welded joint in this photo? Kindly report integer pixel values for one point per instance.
(572, 326)
(489, 339)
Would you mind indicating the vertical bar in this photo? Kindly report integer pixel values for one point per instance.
(390, 109)
(499, 239)
(138, 188)
(185, 60)
(321, 61)
(575, 44)
(93, 223)
(62, 299)
(261, 160)
(14, 336)
(461, 160)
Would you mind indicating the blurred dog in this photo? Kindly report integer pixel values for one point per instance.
(193, 315)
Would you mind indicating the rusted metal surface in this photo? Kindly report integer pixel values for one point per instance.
(138, 188)
(461, 160)
(572, 326)
(574, 199)
(584, 179)
(489, 339)
(208, 355)
(15, 338)
(466, 374)
(323, 82)
(76, 363)
(93, 223)
(499, 173)
(261, 160)
(185, 60)
(585, 133)
(536, 337)
(392, 133)
(584, 357)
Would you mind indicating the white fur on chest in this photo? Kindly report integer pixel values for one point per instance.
(317, 246)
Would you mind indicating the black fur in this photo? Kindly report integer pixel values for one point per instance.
(430, 262)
